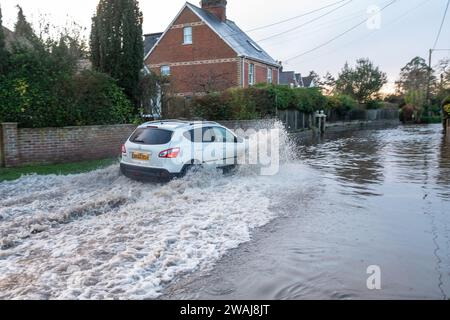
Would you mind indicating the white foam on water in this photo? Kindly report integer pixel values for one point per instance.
(99, 235)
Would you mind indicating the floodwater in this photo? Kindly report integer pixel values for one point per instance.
(374, 198)
(347, 202)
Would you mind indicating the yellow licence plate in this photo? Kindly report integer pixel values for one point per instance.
(140, 156)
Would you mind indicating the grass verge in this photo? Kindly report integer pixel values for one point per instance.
(8, 174)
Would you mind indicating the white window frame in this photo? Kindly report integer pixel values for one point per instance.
(251, 74)
(187, 36)
(269, 75)
(165, 71)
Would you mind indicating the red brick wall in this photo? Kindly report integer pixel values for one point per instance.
(207, 46)
(206, 77)
(260, 72)
(59, 145)
(191, 64)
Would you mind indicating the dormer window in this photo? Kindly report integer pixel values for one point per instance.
(187, 32)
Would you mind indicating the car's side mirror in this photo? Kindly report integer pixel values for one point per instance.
(213, 139)
(236, 140)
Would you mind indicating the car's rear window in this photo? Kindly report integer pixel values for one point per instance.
(151, 136)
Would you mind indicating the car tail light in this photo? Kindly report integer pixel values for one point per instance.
(124, 150)
(170, 153)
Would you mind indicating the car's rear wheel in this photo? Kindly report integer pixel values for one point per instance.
(194, 166)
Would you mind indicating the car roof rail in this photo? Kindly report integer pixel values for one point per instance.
(203, 122)
(182, 122)
(167, 121)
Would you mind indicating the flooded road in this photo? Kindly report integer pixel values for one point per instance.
(376, 197)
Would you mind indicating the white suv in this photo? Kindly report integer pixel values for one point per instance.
(168, 149)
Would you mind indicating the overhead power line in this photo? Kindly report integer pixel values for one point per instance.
(306, 23)
(339, 35)
(296, 17)
(442, 25)
(356, 15)
(365, 36)
(287, 20)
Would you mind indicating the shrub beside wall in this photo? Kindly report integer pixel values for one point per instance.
(263, 101)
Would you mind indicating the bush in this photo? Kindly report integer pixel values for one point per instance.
(43, 91)
(99, 100)
(447, 109)
(284, 97)
(309, 100)
(212, 107)
(236, 103)
(341, 104)
(263, 100)
(431, 119)
(249, 103)
(374, 104)
(32, 92)
(446, 105)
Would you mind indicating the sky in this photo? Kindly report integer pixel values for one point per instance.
(390, 38)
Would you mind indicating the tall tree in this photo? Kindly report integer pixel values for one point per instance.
(116, 43)
(443, 83)
(328, 84)
(315, 78)
(23, 28)
(363, 82)
(414, 76)
(3, 52)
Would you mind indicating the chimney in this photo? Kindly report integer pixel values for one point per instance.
(216, 7)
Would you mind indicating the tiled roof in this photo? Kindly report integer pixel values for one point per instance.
(11, 38)
(150, 41)
(234, 36)
(307, 81)
(287, 77)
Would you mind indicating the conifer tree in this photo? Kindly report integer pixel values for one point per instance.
(23, 27)
(3, 51)
(116, 43)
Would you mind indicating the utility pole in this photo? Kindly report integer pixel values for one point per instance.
(429, 77)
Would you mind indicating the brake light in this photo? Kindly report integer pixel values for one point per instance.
(170, 153)
(124, 150)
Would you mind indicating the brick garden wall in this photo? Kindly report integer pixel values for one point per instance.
(22, 146)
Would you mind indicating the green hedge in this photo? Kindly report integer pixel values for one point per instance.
(41, 89)
(262, 101)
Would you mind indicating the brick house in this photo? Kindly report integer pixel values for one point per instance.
(203, 51)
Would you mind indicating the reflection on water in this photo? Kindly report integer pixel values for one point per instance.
(353, 161)
(376, 197)
(362, 160)
(443, 173)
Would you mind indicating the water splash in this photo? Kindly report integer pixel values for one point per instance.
(99, 235)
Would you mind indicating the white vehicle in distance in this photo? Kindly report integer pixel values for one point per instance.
(170, 148)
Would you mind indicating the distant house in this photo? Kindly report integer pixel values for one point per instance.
(203, 51)
(307, 82)
(295, 80)
(11, 38)
(150, 40)
(289, 78)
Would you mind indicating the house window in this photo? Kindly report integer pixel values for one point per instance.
(269, 75)
(187, 35)
(165, 71)
(251, 74)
